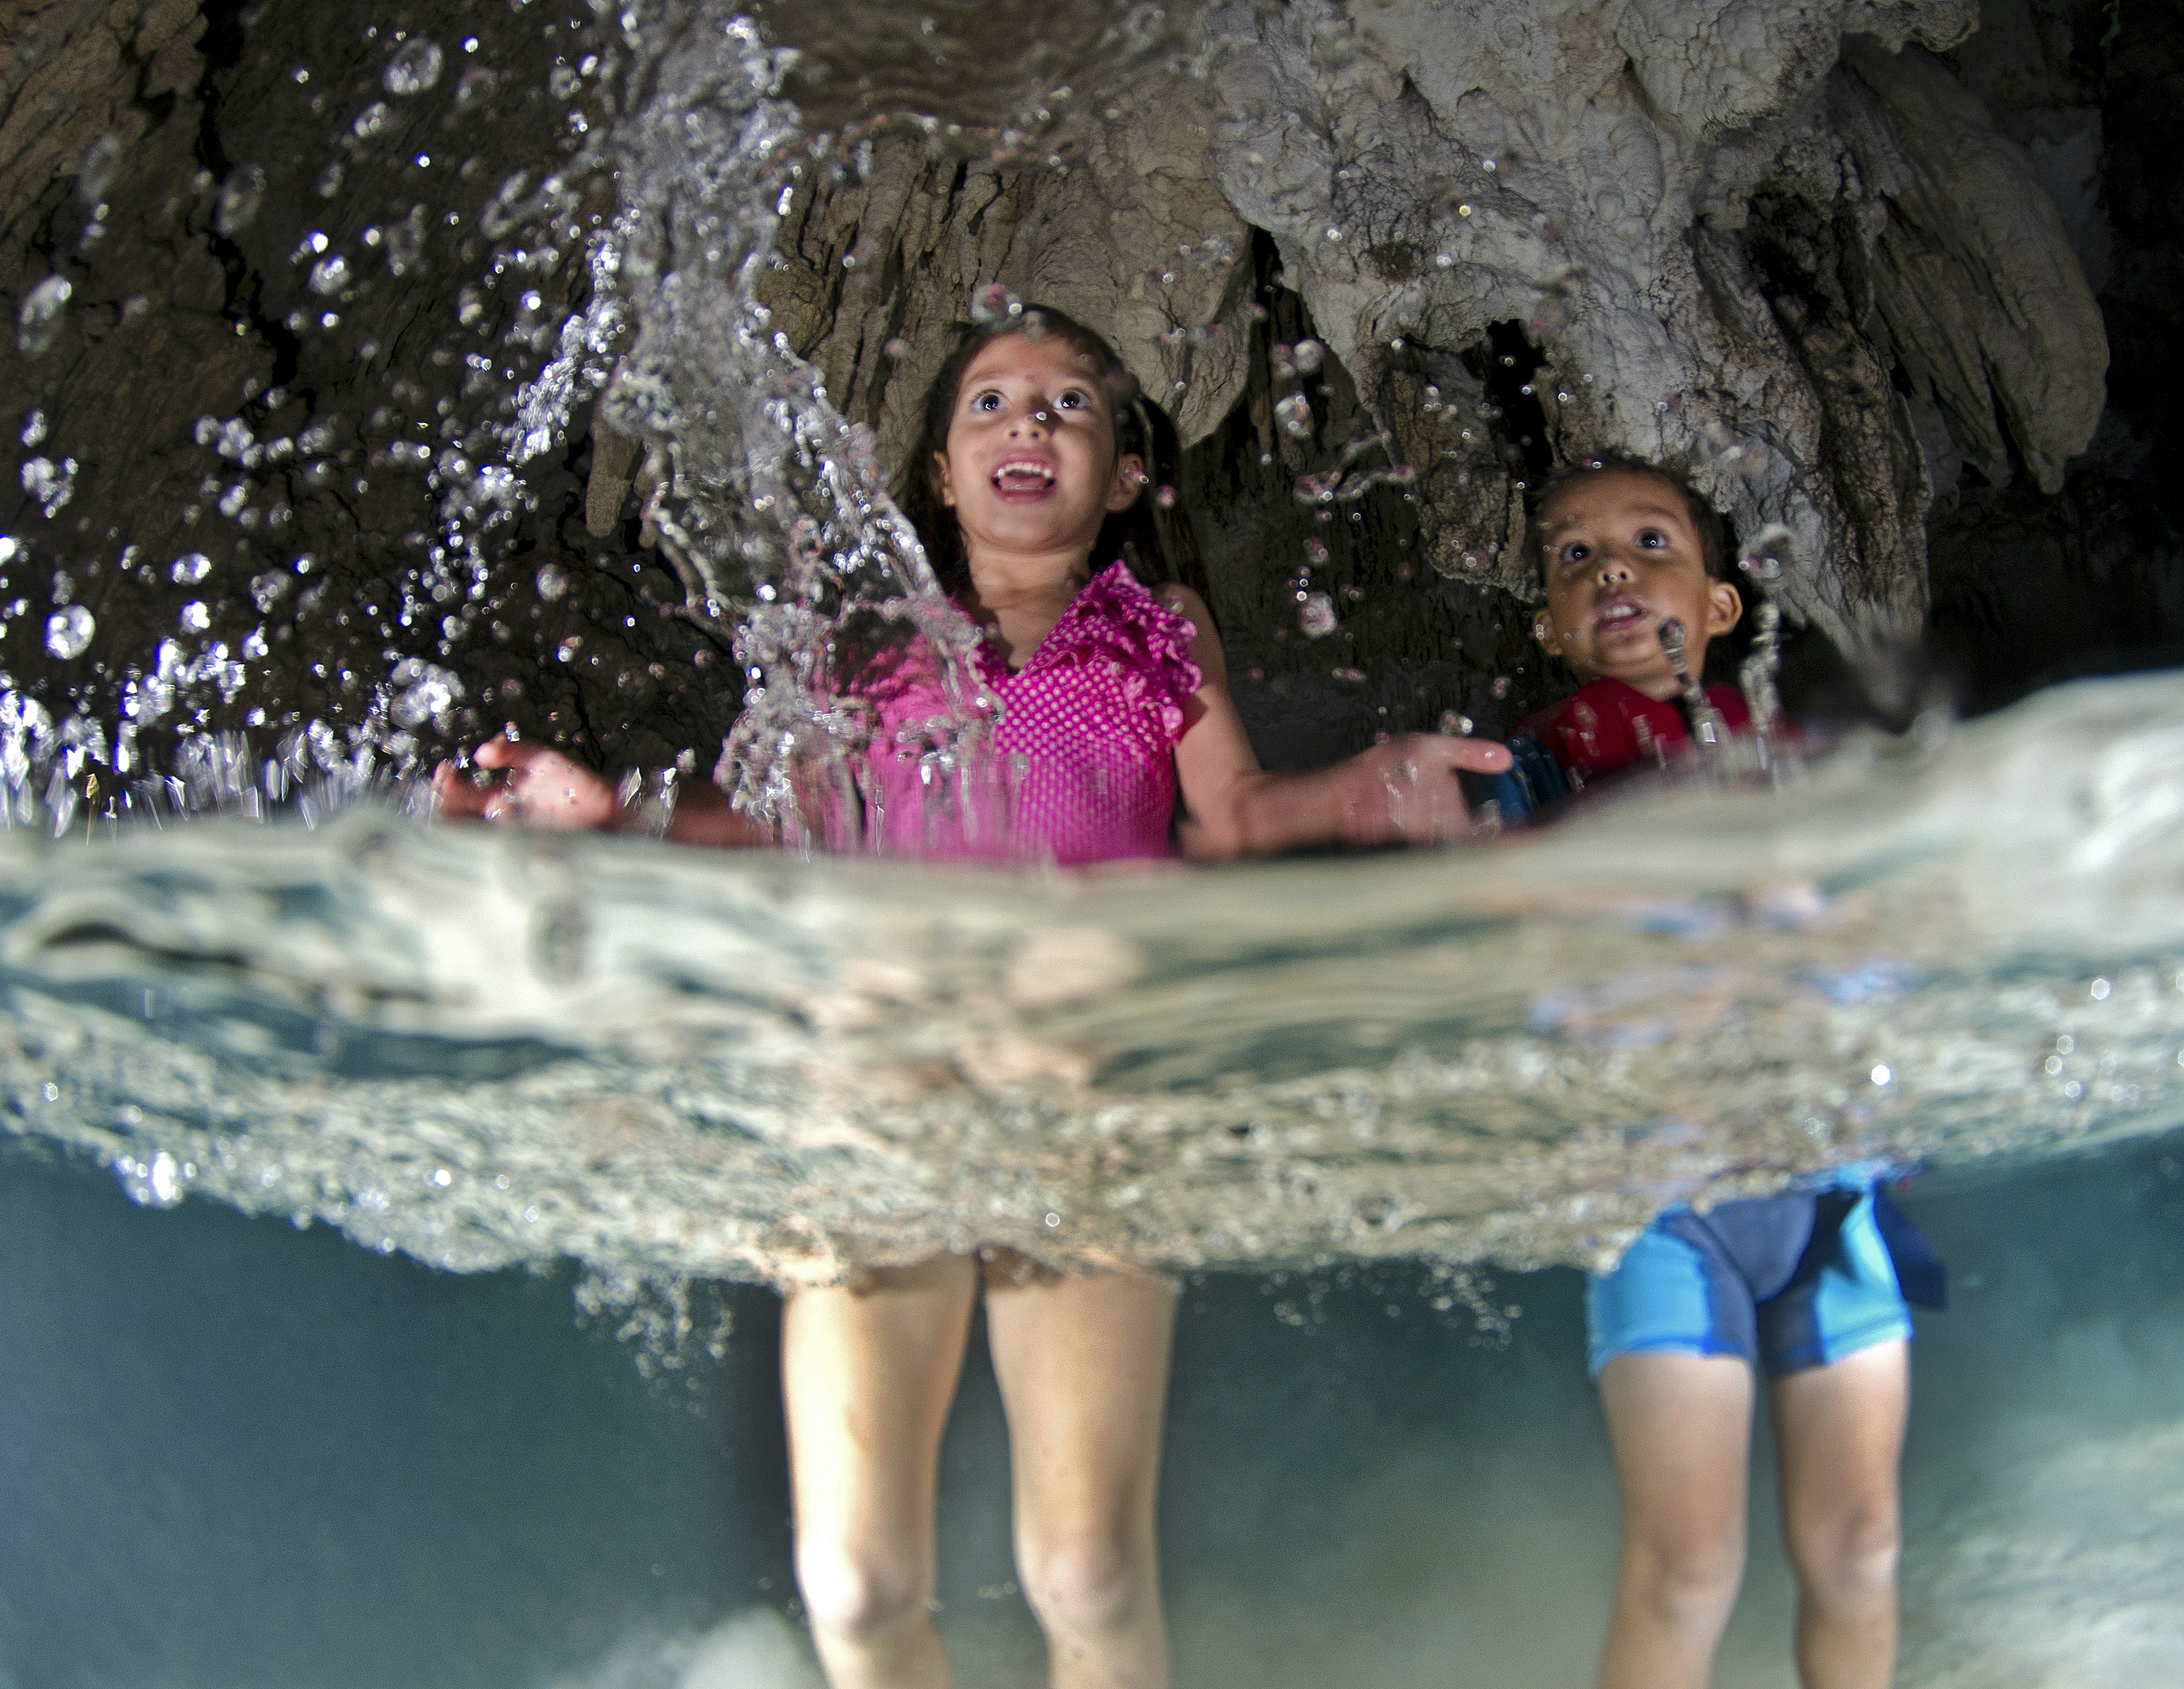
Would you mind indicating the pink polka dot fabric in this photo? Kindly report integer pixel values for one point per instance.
(1089, 722)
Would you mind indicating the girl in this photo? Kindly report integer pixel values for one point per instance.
(1028, 488)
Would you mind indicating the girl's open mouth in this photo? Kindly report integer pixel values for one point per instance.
(1024, 478)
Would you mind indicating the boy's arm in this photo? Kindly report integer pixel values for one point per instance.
(1403, 791)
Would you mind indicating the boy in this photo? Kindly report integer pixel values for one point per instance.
(1800, 1287)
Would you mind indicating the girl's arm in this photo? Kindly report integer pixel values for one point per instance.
(1403, 791)
(542, 788)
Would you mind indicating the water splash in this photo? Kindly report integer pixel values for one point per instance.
(693, 1064)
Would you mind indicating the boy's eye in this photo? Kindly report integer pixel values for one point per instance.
(1071, 399)
(1653, 538)
(988, 400)
(1576, 552)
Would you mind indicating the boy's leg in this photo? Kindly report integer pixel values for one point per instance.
(867, 1376)
(1083, 1364)
(1681, 1428)
(1841, 1431)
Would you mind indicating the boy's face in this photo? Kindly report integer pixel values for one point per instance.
(1621, 557)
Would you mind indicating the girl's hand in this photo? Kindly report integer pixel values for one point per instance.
(1405, 791)
(540, 787)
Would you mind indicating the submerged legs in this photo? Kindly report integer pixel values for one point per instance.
(1682, 1425)
(1681, 1429)
(1083, 1365)
(1841, 1429)
(867, 1376)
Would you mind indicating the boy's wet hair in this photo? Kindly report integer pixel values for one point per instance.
(1155, 540)
(1716, 549)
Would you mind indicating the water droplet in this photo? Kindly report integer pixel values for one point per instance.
(329, 274)
(69, 631)
(38, 320)
(1456, 726)
(1315, 552)
(1307, 356)
(1882, 1073)
(1315, 615)
(1489, 165)
(240, 197)
(415, 68)
(191, 568)
(2100, 990)
(195, 616)
(553, 580)
(102, 162)
(33, 428)
(1293, 414)
(371, 121)
(1501, 687)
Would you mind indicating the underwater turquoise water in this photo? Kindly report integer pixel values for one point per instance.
(235, 1455)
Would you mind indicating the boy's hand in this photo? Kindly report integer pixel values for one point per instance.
(1405, 791)
(539, 787)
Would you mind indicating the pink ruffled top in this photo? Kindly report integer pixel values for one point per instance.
(1086, 739)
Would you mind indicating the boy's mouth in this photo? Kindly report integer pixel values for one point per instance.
(1619, 615)
(1023, 478)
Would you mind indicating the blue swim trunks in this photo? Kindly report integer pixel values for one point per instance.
(1786, 1282)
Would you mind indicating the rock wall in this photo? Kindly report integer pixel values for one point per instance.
(1826, 253)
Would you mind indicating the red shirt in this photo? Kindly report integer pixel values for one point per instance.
(1605, 727)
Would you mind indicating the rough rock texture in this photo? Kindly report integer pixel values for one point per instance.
(1809, 248)
(1589, 172)
(2030, 588)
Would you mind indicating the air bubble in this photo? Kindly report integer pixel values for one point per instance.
(240, 197)
(190, 568)
(1293, 414)
(415, 68)
(69, 631)
(329, 274)
(38, 320)
(1315, 615)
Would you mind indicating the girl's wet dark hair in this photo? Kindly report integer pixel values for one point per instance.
(1155, 540)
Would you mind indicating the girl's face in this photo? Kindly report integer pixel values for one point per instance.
(1031, 467)
(1621, 558)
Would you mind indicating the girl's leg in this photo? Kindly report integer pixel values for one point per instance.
(1840, 1428)
(1681, 1429)
(866, 1377)
(1083, 1366)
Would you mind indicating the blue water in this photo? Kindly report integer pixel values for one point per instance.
(233, 1454)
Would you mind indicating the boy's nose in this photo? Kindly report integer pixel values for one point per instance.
(1613, 568)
